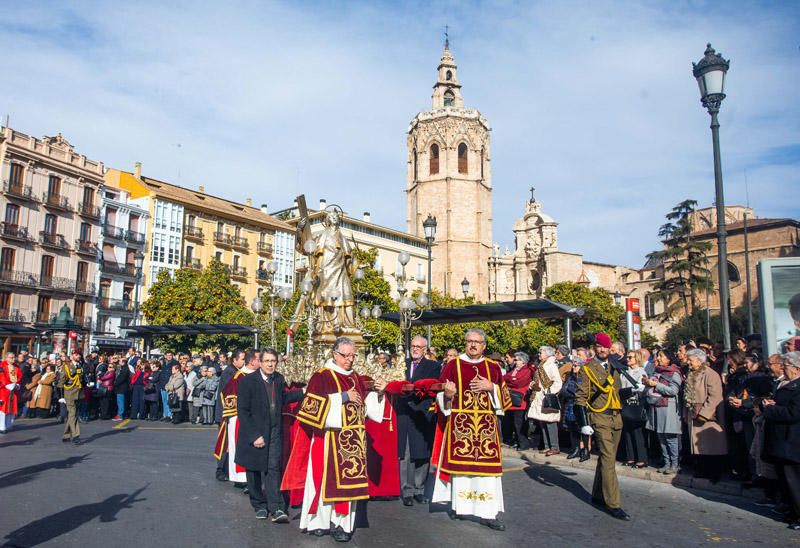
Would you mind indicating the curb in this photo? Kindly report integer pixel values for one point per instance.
(685, 480)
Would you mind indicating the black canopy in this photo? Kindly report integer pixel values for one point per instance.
(509, 310)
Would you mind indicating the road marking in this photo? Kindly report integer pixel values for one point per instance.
(515, 469)
(123, 423)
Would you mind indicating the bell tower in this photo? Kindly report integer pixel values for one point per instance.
(449, 176)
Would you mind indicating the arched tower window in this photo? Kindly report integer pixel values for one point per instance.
(434, 167)
(449, 98)
(462, 158)
(414, 159)
(483, 154)
(733, 274)
(449, 75)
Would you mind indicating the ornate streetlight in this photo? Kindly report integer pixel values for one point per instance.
(363, 309)
(465, 286)
(710, 73)
(257, 305)
(410, 309)
(138, 262)
(429, 225)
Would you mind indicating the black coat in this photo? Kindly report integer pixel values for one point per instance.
(782, 426)
(414, 422)
(122, 380)
(254, 418)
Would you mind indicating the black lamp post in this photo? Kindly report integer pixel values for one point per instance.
(429, 225)
(138, 261)
(465, 286)
(710, 73)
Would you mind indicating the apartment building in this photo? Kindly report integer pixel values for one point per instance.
(49, 236)
(187, 228)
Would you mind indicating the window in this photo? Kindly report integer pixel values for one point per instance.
(237, 232)
(80, 309)
(88, 196)
(189, 253)
(219, 256)
(133, 223)
(448, 75)
(50, 221)
(43, 309)
(83, 272)
(111, 217)
(191, 220)
(5, 305)
(7, 259)
(54, 186)
(15, 176)
(483, 154)
(449, 98)
(733, 274)
(220, 227)
(649, 307)
(12, 214)
(462, 158)
(434, 167)
(235, 262)
(86, 232)
(414, 159)
(47, 267)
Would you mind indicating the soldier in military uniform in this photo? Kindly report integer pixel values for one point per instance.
(72, 383)
(597, 407)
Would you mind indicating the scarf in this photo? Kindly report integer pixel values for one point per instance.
(690, 393)
(664, 377)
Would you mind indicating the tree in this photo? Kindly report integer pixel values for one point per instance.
(685, 262)
(695, 325)
(600, 312)
(192, 296)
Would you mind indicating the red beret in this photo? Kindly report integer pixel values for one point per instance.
(603, 340)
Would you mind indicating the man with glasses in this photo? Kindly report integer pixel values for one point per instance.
(329, 455)
(416, 426)
(470, 463)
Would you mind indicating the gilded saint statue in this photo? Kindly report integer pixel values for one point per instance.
(327, 287)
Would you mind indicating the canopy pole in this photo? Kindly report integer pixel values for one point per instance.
(568, 332)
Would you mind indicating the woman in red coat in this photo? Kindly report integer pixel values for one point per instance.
(518, 379)
(10, 376)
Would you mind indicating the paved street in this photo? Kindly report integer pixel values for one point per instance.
(150, 484)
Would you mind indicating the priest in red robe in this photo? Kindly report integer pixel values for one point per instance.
(10, 376)
(332, 458)
(228, 431)
(467, 451)
(382, 470)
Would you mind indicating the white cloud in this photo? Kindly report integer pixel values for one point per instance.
(592, 103)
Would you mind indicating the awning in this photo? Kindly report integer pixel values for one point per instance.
(11, 330)
(492, 312)
(187, 329)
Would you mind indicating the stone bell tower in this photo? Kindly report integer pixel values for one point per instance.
(449, 176)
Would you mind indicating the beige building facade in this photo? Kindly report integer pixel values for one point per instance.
(449, 177)
(51, 198)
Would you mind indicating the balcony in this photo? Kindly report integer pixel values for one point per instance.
(220, 238)
(109, 267)
(43, 317)
(18, 278)
(52, 200)
(111, 231)
(53, 241)
(85, 247)
(90, 211)
(133, 237)
(263, 277)
(85, 288)
(239, 243)
(15, 232)
(193, 233)
(12, 315)
(84, 322)
(265, 249)
(56, 283)
(194, 264)
(238, 272)
(115, 305)
(18, 191)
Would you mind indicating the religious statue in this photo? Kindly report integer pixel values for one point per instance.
(331, 263)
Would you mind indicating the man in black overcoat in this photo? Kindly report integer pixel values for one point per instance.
(415, 426)
(260, 398)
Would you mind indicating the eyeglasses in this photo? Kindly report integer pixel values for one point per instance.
(475, 342)
(417, 346)
(346, 356)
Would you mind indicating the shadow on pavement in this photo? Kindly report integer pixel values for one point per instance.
(30, 473)
(53, 526)
(107, 433)
(554, 477)
(29, 441)
(20, 426)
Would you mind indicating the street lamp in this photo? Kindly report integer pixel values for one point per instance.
(617, 298)
(710, 73)
(429, 225)
(257, 305)
(138, 262)
(465, 286)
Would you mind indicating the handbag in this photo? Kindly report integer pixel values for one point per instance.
(516, 398)
(551, 404)
(172, 400)
(633, 410)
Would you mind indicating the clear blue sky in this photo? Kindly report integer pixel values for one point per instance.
(593, 103)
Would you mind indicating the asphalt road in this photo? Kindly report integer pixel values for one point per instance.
(151, 484)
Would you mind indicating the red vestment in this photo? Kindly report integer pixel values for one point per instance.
(290, 429)
(469, 438)
(383, 470)
(229, 409)
(9, 399)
